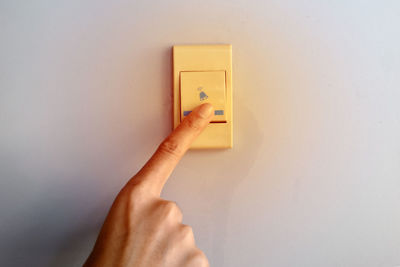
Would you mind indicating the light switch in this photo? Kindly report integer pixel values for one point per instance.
(203, 74)
(198, 87)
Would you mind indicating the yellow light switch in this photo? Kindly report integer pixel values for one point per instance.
(198, 87)
(203, 73)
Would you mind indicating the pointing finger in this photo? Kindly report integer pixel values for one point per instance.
(157, 170)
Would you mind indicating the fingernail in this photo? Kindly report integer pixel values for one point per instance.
(205, 110)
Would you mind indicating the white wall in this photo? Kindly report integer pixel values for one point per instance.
(314, 176)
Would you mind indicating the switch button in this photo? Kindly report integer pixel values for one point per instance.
(198, 87)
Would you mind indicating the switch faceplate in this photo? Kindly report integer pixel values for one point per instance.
(203, 74)
(198, 87)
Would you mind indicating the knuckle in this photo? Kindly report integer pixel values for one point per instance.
(198, 259)
(186, 230)
(169, 209)
(170, 147)
(134, 191)
(134, 188)
(127, 195)
(134, 200)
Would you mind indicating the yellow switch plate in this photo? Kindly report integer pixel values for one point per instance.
(203, 73)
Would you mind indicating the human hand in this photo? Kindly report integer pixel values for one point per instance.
(142, 229)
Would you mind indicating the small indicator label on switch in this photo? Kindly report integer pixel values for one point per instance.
(203, 96)
(216, 112)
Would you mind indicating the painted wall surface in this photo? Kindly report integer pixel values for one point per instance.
(314, 175)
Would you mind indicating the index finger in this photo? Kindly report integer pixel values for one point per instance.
(159, 167)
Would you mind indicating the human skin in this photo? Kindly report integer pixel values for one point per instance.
(142, 229)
